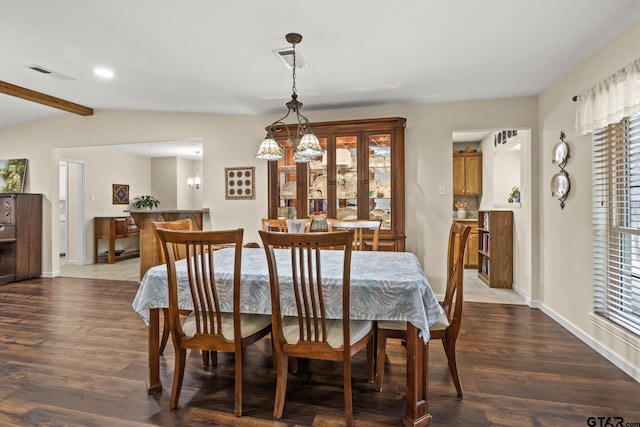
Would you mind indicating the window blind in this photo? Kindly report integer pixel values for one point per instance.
(616, 222)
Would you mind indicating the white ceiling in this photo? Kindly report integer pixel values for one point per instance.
(216, 56)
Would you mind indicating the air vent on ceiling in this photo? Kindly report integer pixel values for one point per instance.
(286, 55)
(51, 73)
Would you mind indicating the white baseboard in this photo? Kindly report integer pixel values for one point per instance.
(629, 369)
(50, 274)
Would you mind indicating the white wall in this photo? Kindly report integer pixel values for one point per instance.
(164, 176)
(565, 235)
(103, 168)
(188, 198)
(523, 255)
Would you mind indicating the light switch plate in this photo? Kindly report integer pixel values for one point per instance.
(441, 190)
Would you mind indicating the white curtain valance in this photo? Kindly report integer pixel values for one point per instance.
(610, 100)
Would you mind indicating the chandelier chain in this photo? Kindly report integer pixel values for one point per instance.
(293, 88)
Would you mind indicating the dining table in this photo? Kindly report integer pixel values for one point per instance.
(384, 286)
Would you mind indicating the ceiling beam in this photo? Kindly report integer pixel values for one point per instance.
(44, 99)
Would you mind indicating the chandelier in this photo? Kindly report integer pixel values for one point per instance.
(305, 144)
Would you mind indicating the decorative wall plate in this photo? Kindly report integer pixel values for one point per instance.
(320, 184)
(560, 186)
(560, 154)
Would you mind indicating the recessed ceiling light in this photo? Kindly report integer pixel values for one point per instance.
(105, 73)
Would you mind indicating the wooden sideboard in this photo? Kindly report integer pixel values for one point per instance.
(149, 255)
(111, 228)
(20, 236)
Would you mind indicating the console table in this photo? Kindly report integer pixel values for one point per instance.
(111, 228)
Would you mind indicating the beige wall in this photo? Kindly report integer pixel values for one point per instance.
(553, 267)
(565, 236)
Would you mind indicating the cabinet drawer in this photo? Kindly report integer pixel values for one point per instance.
(7, 232)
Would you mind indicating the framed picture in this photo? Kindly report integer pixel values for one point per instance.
(239, 183)
(13, 173)
(120, 194)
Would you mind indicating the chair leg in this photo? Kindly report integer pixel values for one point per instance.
(450, 351)
(165, 329)
(381, 344)
(205, 358)
(371, 349)
(348, 402)
(237, 406)
(282, 365)
(178, 375)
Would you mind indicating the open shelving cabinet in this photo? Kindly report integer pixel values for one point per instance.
(495, 248)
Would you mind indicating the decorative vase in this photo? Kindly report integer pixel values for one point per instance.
(461, 213)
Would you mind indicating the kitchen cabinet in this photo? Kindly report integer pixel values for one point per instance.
(361, 176)
(20, 236)
(467, 174)
(471, 251)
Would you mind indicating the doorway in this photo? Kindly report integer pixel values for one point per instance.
(506, 167)
(71, 212)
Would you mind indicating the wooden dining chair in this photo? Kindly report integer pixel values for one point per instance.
(184, 225)
(280, 225)
(447, 327)
(362, 228)
(208, 328)
(309, 333)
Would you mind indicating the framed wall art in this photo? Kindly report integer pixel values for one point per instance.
(120, 194)
(13, 173)
(239, 183)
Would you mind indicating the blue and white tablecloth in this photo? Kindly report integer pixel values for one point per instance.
(384, 286)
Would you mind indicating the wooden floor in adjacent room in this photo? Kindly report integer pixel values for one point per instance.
(73, 353)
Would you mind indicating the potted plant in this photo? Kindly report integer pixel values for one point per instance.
(514, 196)
(145, 202)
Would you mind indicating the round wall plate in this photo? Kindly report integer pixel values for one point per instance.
(560, 186)
(560, 154)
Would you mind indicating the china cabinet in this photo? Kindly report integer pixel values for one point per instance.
(467, 174)
(495, 248)
(360, 176)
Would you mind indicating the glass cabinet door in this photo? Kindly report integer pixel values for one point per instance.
(380, 193)
(346, 158)
(361, 176)
(318, 190)
(287, 183)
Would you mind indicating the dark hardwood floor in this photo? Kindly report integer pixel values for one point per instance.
(73, 353)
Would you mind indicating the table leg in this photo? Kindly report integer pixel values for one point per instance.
(154, 385)
(417, 380)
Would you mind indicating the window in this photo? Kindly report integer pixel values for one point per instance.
(616, 222)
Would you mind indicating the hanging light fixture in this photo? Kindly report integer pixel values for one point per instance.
(304, 142)
(195, 181)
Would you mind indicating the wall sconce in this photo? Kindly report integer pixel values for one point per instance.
(195, 181)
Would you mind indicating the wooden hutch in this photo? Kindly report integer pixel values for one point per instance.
(20, 236)
(361, 176)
